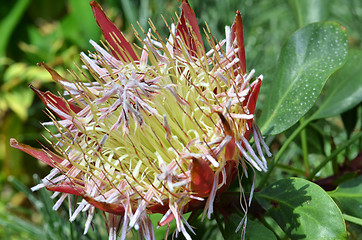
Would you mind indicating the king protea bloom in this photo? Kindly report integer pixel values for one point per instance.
(158, 128)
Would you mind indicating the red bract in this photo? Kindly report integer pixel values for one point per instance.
(188, 31)
(120, 47)
(161, 133)
(237, 34)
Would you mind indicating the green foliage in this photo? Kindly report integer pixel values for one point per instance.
(310, 104)
(306, 61)
(348, 195)
(9, 22)
(344, 90)
(254, 229)
(54, 225)
(303, 210)
(309, 11)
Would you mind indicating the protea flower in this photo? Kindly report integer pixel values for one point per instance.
(163, 132)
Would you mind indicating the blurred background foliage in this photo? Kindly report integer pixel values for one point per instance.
(55, 32)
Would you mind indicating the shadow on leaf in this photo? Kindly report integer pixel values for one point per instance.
(282, 201)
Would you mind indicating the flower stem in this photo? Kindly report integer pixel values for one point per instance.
(289, 169)
(303, 138)
(334, 154)
(71, 231)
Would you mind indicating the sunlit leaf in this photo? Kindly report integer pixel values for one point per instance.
(306, 61)
(303, 210)
(344, 89)
(19, 101)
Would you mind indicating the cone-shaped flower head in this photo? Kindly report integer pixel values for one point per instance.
(160, 132)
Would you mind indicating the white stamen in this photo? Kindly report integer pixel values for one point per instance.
(248, 158)
(252, 153)
(258, 147)
(89, 219)
(266, 148)
(82, 204)
(252, 189)
(228, 39)
(60, 201)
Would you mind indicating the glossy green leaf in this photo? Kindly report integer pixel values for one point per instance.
(344, 89)
(303, 210)
(306, 61)
(349, 197)
(256, 230)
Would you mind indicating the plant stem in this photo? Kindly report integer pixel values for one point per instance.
(334, 154)
(282, 150)
(71, 230)
(334, 160)
(303, 138)
(298, 13)
(352, 219)
(290, 169)
(267, 225)
(219, 224)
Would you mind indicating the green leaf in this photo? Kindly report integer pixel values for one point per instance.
(344, 89)
(80, 26)
(308, 11)
(129, 10)
(205, 230)
(348, 196)
(254, 229)
(19, 101)
(55, 224)
(350, 119)
(303, 210)
(306, 61)
(9, 22)
(314, 139)
(20, 226)
(160, 232)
